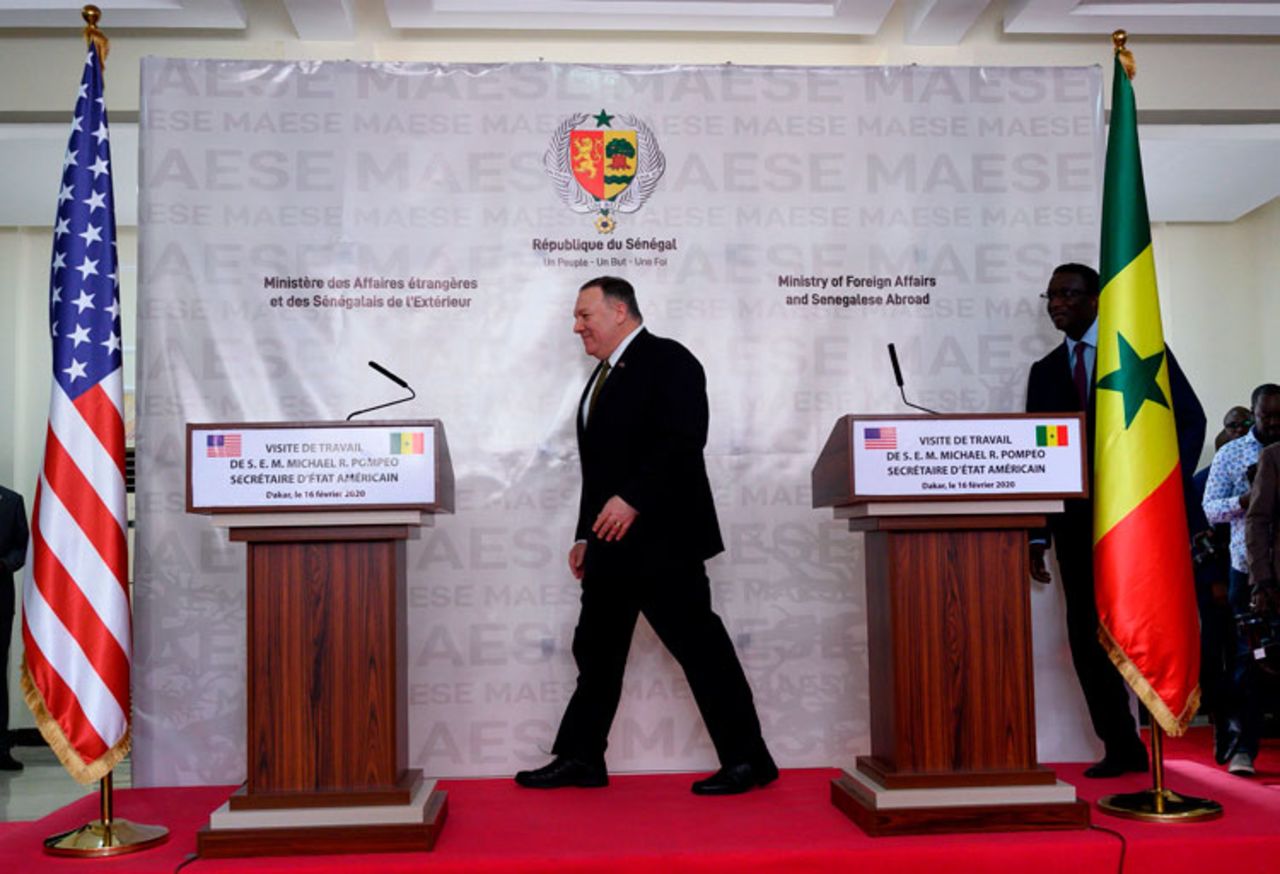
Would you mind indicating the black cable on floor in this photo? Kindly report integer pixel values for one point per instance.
(1124, 844)
(191, 857)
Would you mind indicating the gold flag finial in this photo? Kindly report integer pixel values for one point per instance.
(91, 14)
(1119, 39)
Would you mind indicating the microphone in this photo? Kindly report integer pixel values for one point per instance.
(389, 375)
(397, 380)
(897, 375)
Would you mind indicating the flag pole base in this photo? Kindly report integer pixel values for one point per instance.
(93, 839)
(1160, 805)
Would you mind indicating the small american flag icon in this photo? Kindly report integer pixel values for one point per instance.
(222, 446)
(880, 438)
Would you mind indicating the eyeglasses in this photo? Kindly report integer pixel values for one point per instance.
(1066, 295)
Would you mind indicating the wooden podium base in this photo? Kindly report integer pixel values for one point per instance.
(303, 831)
(879, 811)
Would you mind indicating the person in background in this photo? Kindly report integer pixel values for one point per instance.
(1211, 557)
(1226, 499)
(1236, 423)
(13, 554)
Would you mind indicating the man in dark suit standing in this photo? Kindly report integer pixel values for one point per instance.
(1062, 382)
(646, 524)
(13, 555)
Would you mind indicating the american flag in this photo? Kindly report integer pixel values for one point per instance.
(75, 619)
(880, 438)
(222, 446)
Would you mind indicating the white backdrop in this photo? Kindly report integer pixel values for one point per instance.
(297, 219)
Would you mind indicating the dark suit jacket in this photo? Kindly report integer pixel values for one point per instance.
(644, 443)
(13, 535)
(1051, 389)
(1262, 519)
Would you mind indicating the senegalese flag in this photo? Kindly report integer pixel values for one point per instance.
(407, 443)
(1142, 563)
(1051, 435)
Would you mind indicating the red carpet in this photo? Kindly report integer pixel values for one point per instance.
(654, 824)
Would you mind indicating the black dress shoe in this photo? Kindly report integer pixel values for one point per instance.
(564, 772)
(736, 779)
(1114, 764)
(1225, 743)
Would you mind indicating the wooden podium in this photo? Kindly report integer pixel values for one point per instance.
(325, 509)
(953, 741)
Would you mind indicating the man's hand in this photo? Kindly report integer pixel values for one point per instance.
(1266, 596)
(614, 520)
(1040, 567)
(577, 554)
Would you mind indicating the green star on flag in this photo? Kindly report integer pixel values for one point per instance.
(604, 119)
(1135, 379)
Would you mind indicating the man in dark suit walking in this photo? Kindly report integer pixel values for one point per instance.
(646, 524)
(13, 554)
(1062, 382)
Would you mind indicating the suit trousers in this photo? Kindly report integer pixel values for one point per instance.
(7, 598)
(675, 597)
(1105, 691)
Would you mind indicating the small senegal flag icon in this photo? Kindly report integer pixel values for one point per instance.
(1051, 435)
(407, 443)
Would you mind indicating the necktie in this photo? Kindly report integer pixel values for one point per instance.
(1081, 377)
(595, 389)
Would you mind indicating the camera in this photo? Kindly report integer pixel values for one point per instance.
(1261, 631)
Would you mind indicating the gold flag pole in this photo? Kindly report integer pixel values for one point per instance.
(1159, 804)
(105, 836)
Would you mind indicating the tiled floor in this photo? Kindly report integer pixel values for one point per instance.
(44, 785)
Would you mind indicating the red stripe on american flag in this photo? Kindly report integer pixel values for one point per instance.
(85, 506)
(62, 703)
(69, 604)
(103, 418)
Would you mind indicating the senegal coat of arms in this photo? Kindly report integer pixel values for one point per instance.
(607, 169)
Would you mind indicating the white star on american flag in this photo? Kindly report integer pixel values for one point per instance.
(75, 124)
(97, 200)
(75, 371)
(56, 295)
(64, 227)
(99, 167)
(91, 234)
(79, 335)
(88, 267)
(101, 133)
(114, 309)
(69, 159)
(112, 342)
(84, 301)
(59, 260)
(65, 194)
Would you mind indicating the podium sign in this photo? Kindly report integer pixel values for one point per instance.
(301, 466)
(986, 456)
